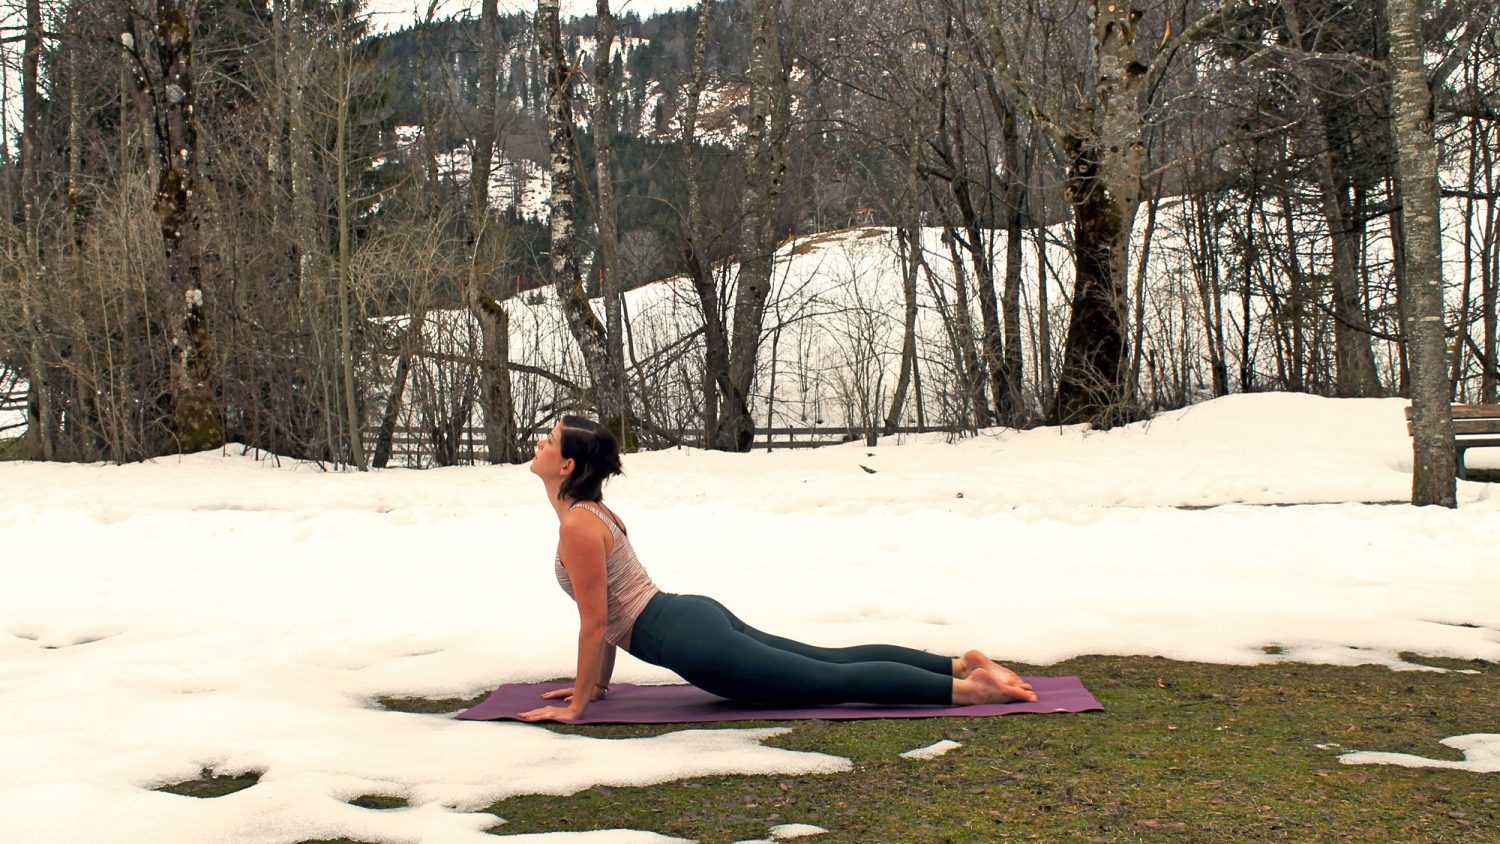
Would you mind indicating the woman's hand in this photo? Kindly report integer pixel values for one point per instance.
(566, 695)
(552, 713)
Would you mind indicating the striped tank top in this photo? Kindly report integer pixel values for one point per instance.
(629, 588)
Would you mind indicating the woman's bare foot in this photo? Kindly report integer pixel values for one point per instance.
(983, 685)
(973, 660)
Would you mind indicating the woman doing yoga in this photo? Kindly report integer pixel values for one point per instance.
(697, 637)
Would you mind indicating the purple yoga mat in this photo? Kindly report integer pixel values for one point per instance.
(629, 704)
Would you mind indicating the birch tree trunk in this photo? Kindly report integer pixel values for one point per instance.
(1416, 149)
(582, 324)
(502, 445)
(765, 168)
(1104, 189)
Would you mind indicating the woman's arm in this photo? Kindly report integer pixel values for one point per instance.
(582, 550)
(606, 668)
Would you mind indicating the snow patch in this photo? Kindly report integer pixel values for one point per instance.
(1481, 755)
(932, 751)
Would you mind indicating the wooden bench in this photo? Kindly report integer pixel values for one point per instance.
(1474, 426)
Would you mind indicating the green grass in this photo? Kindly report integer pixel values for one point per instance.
(209, 784)
(1184, 752)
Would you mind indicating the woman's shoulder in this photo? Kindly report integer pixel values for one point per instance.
(597, 513)
(587, 520)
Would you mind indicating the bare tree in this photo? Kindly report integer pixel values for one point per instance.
(39, 416)
(487, 254)
(705, 285)
(908, 239)
(765, 167)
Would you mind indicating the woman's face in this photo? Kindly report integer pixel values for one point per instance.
(548, 461)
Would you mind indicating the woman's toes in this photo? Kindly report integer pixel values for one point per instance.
(974, 660)
(1000, 690)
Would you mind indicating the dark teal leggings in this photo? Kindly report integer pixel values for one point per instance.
(708, 646)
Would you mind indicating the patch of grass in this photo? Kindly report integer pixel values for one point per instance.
(379, 801)
(1446, 663)
(1485, 476)
(429, 705)
(1184, 752)
(209, 784)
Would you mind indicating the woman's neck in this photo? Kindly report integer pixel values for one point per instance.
(560, 503)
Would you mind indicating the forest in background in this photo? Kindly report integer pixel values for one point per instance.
(214, 205)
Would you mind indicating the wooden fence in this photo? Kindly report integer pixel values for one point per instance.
(418, 447)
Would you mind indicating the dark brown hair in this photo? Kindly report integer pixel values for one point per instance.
(595, 456)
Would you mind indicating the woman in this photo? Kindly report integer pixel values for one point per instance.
(619, 606)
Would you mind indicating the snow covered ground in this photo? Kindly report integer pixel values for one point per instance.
(220, 612)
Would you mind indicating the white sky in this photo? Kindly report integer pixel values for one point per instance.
(214, 611)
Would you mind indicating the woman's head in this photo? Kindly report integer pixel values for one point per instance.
(593, 453)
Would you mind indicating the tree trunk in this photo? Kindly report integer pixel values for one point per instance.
(1045, 389)
(908, 241)
(1104, 189)
(949, 146)
(410, 340)
(587, 332)
(353, 426)
(604, 215)
(1355, 371)
(1013, 410)
(971, 366)
(991, 345)
(495, 399)
(765, 167)
(1432, 440)
(1489, 283)
(1297, 301)
(1205, 251)
(1356, 362)
(908, 236)
(1014, 192)
(196, 424)
(305, 216)
(1133, 382)
(39, 417)
(715, 337)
